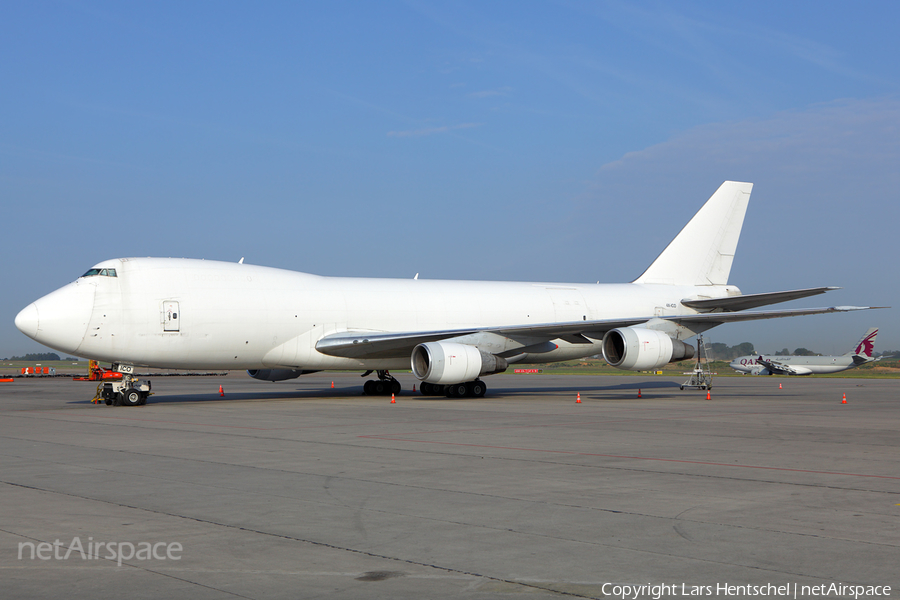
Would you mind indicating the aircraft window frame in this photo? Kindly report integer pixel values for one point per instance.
(100, 272)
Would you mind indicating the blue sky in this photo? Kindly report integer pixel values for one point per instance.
(538, 141)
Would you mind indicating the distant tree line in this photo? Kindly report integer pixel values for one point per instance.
(720, 351)
(38, 356)
(797, 352)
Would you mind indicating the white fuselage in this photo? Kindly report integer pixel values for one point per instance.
(185, 313)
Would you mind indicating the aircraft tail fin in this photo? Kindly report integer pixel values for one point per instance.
(865, 346)
(702, 253)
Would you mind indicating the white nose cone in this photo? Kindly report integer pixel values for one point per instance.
(27, 321)
(60, 319)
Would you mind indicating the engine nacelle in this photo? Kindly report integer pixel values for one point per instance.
(641, 349)
(446, 363)
(276, 374)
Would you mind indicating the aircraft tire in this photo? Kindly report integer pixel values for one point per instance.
(425, 388)
(378, 388)
(458, 390)
(476, 389)
(395, 387)
(367, 388)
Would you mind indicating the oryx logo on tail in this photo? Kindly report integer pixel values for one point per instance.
(866, 345)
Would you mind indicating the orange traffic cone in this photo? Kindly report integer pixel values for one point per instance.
(707, 395)
(639, 392)
(414, 387)
(578, 398)
(332, 385)
(844, 401)
(221, 391)
(392, 399)
(779, 386)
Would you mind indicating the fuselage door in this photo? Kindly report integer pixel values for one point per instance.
(171, 316)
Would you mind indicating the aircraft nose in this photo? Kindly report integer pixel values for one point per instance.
(27, 320)
(60, 319)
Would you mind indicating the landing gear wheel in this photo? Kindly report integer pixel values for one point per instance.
(425, 388)
(131, 397)
(457, 390)
(379, 388)
(368, 388)
(395, 387)
(476, 389)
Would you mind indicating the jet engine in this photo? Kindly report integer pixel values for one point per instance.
(276, 374)
(446, 363)
(639, 349)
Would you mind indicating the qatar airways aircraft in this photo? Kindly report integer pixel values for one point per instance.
(199, 314)
(757, 364)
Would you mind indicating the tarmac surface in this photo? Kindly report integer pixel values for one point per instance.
(297, 490)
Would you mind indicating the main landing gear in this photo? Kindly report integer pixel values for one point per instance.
(472, 389)
(384, 385)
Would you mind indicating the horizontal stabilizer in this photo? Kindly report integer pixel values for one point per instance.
(745, 301)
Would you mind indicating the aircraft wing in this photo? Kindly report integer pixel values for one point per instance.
(377, 344)
(745, 301)
(780, 368)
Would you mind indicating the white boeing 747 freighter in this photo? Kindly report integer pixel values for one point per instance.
(278, 324)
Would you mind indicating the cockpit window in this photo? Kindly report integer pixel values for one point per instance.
(101, 272)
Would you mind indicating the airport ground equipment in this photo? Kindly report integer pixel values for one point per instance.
(127, 391)
(701, 376)
(98, 373)
(38, 371)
